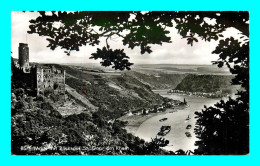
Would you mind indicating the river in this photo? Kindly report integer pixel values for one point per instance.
(177, 120)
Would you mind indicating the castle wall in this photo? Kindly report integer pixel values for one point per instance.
(50, 79)
(43, 80)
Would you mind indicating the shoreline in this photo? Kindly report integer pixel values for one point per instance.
(135, 121)
(147, 126)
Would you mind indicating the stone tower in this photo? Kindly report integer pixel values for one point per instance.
(23, 56)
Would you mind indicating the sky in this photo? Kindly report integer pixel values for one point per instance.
(177, 52)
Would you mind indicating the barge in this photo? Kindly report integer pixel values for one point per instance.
(164, 130)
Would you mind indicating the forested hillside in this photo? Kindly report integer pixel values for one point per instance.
(38, 128)
(205, 83)
(115, 94)
(159, 81)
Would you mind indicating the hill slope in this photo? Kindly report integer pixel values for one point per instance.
(37, 128)
(205, 83)
(115, 93)
(158, 80)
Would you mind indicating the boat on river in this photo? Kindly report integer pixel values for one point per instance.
(164, 130)
(188, 127)
(173, 111)
(188, 134)
(163, 119)
(188, 118)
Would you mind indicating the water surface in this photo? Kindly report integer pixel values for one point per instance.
(177, 121)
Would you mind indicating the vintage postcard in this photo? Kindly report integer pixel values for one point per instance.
(130, 83)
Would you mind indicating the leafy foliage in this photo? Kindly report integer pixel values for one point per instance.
(109, 56)
(224, 129)
(71, 30)
(209, 25)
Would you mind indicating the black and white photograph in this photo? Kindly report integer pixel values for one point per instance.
(130, 83)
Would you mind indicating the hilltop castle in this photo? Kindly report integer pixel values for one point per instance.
(43, 79)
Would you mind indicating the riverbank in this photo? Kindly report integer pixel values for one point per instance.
(177, 137)
(135, 121)
(147, 126)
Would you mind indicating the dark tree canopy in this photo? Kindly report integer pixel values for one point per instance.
(70, 31)
(223, 129)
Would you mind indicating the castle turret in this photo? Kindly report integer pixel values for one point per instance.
(23, 55)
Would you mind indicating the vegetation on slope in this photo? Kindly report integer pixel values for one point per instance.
(159, 81)
(133, 94)
(44, 131)
(205, 83)
(37, 128)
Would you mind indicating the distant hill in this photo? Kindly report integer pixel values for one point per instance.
(182, 69)
(205, 83)
(158, 80)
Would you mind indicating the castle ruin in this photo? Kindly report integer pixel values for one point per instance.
(43, 79)
(50, 79)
